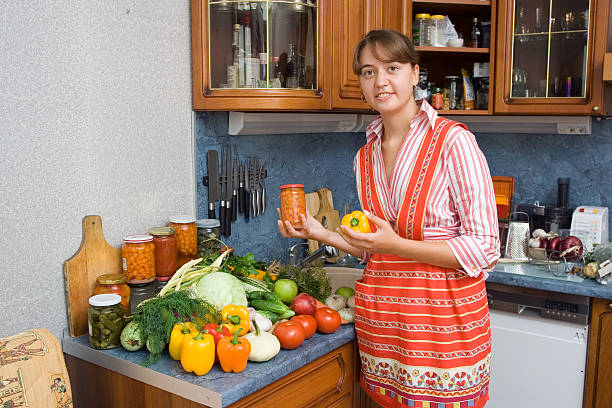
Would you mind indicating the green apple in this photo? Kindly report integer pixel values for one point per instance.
(286, 289)
(345, 292)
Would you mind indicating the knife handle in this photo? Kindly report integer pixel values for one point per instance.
(222, 218)
(228, 218)
(247, 205)
(243, 199)
(235, 205)
(211, 210)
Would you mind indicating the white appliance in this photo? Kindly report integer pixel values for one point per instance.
(539, 348)
(590, 224)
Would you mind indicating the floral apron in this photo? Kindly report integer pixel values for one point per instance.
(423, 331)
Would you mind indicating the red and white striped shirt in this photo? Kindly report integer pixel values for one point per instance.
(461, 208)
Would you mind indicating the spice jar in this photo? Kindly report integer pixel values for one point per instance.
(186, 238)
(114, 283)
(105, 317)
(164, 239)
(141, 292)
(138, 253)
(209, 232)
(293, 203)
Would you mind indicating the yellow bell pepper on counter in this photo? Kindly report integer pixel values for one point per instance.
(179, 331)
(236, 317)
(357, 221)
(198, 353)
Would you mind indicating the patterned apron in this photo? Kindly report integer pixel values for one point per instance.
(423, 331)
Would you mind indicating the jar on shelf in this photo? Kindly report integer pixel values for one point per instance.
(453, 84)
(293, 203)
(138, 253)
(140, 292)
(437, 31)
(114, 283)
(420, 30)
(164, 239)
(105, 317)
(160, 282)
(209, 232)
(436, 98)
(186, 238)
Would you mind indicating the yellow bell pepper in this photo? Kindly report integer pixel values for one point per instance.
(236, 317)
(179, 331)
(198, 353)
(357, 221)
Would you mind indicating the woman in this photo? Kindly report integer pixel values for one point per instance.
(422, 319)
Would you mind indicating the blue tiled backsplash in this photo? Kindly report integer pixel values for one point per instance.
(326, 160)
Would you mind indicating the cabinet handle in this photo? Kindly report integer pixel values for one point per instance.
(319, 92)
(609, 305)
(595, 108)
(507, 100)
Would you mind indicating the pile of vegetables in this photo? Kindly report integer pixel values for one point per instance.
(556, 248)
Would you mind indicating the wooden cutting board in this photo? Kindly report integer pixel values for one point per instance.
(94, 257)
(321, 205)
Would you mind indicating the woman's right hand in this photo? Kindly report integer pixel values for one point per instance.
(310, 228)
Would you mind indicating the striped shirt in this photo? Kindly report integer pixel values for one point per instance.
(461, 208)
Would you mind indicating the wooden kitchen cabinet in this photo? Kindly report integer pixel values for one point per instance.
(598, 384)
(227, 76)
(550, 57)
(351, 20)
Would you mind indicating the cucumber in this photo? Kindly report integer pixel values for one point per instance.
(273, 297)
(266, 313)
(270, 306)
(288, 314)
(256, 295)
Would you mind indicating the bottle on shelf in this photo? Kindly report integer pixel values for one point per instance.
(277, 74)
(475, 34)
(292, 67)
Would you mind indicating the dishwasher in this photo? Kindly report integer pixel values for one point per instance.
(539, 347)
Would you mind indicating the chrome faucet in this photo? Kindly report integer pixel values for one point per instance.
(324, 251)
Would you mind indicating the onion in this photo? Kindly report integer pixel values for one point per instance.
(350, 302)
(304, 304)
(552, 249)
(534, 242)
(571, 248)
(539, 233)
(335, 302)
(347, 314)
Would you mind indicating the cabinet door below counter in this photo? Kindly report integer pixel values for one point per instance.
(598, 389)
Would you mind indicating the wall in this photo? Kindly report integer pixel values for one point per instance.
(96, 119)
(325, 160)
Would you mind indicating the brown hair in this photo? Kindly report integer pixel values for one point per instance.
(399, 48)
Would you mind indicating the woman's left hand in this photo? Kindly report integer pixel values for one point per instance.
(383, 241)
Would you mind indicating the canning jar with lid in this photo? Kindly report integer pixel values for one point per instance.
(105, 320)
(114, 283)
(164, 239)
(138, 253)
(186, 238)
(438, 31)
(209, 232)
(293, 203)
(141, 292)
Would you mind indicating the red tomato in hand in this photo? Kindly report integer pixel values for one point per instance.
(290, 334)
(328, 320)
(308, 322)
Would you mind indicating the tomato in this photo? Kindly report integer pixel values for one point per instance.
(328, 320)
(290, 334)
(308, 322)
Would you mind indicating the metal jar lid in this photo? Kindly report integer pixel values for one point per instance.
(182, 219)
(208, 223)
(138, 238)
(105, 299)
(110, 279)
(162, 231)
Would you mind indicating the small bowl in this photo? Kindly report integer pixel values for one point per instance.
(455, 42)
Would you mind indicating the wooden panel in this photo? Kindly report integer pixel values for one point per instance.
(329, 380)
(456, 2)
(598, 384)
(94, 257)
(607, 67)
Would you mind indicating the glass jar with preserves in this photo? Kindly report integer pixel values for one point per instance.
(141, 292)
(114, 283)
(186, 238)
(209, 233)
(138, 253)
(164, 239)
(293, 203)
(105, 318)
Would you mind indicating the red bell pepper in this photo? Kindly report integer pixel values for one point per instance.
(218, 332)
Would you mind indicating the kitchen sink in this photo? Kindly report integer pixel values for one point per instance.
(342, 276)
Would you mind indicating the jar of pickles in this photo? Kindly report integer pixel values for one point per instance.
(209, 232)
(138, 253)
(186, 238)
(293, 203)
(105, 318)
(114, 283)
(164, 239)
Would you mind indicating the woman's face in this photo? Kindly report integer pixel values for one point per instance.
(386, 86)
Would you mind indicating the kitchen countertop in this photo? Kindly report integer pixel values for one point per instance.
(216, 389)
(539, 277)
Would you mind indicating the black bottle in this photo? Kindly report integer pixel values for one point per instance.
(475, 34)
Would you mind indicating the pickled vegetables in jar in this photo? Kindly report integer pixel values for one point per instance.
(138, 253)
(114, 283)
(105, 317)
(293, 203)
(186, 238)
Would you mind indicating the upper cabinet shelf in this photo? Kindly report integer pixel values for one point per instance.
(457, 2)
(468, 50)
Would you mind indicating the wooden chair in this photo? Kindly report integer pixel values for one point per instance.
(33, 372)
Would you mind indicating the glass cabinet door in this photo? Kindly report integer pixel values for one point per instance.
(549, 49)
(263, 44)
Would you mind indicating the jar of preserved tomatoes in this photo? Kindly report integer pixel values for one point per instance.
(293, 203)
(114, 283)
(138, 253)
(186, 238)
(105, 318)
(164, 239)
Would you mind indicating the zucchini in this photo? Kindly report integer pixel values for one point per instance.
(270, 306)
(266, 313)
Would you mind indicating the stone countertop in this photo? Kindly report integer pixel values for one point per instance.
(541, 277)
(216, 389)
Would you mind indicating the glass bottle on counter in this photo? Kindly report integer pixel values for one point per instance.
(138, 256)
(186, 238)
(114, 283)
(105, 321)
(164, 239)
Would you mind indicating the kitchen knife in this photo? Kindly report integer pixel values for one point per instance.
(223, 192)
(235, 176)
(253, 186)
(213, 181)
(228, 192)
(262, 185)
(245, 192)
(240, 187)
